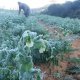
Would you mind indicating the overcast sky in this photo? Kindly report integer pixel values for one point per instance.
(12, 4)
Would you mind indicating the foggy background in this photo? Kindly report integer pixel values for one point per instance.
(12, 4)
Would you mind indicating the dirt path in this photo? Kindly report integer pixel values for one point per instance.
(53, 30)
(75, 44)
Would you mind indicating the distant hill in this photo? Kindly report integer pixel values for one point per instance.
(68, 9)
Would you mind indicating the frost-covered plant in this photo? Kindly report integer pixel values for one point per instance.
(25, 60)
(69, 78)
(73, 69)
(18, 62)
(32, 40)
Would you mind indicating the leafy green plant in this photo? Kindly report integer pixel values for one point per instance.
(57, 75)
(59, 48)
(74, 60)
(73, 69)
(19, 63)
(68, 78)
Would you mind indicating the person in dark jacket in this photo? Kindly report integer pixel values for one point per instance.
(25, 8)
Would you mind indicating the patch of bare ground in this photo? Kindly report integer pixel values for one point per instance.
(47, 75)
(76, 45)
(53, 30)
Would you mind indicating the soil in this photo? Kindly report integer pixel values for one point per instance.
(47, 75)
(76, 45)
